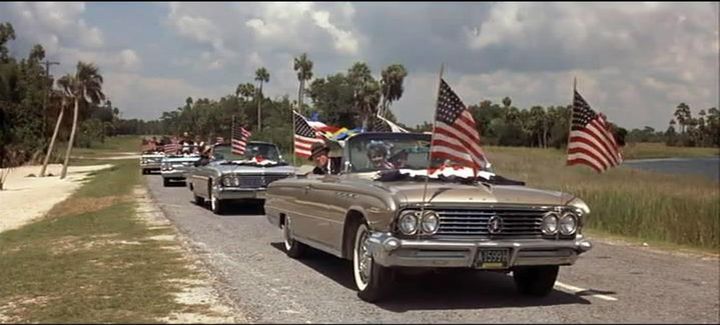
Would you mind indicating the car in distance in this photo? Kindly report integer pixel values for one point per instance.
(372, 213)
(231, 177)
(173, 168)
(151, 161)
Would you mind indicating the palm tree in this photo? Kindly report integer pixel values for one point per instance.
(85, 85)
(367, 98)
(507, 102)
(682, 114)
(261, 76)
(391, 85)
(303, 66)
(366, 91)
(65, 93)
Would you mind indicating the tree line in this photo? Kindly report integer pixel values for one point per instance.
(36, 109)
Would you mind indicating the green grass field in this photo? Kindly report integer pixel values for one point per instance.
(643, 205)
(90, 260)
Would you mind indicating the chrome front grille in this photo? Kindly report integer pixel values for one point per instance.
(256, 181)
(514, 223)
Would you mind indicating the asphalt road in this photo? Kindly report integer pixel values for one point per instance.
(613, 283)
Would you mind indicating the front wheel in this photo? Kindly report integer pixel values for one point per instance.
(372, 280)
(216, 205)
(535, 280)
(166, 182)
(293, 248)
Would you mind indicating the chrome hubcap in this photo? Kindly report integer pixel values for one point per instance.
(286, 234)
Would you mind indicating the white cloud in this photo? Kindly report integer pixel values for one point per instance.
(129, 59)
(146, 97)
(52, 23)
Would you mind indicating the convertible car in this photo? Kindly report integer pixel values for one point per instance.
(173, 168)
(151, 161)
(372, 213)
(230, 177)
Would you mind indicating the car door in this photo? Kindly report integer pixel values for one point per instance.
(329, 210)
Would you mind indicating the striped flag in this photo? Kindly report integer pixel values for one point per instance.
(305, 136)
(172, 147)
(455, 136)
(239, 140)
(591, 142)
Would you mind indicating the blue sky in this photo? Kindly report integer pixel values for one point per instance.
(634, 61)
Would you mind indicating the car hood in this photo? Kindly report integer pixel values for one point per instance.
(411, 192)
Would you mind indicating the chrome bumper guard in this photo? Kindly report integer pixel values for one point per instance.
(388, 251)
(237, 193)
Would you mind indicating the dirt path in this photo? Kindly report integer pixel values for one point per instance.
(26, 198)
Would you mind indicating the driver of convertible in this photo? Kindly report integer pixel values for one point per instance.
(378, 154)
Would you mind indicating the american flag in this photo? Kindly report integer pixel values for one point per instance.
(239, 139)
(455, 136)
(305, 136)
(384, 125)
(172, 147)
(591, 142)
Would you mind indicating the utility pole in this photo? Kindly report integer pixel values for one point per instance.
(47, 92)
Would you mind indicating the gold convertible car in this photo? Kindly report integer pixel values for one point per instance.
(370, 212)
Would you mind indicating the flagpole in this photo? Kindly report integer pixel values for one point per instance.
(432, 136)
(293, 135)
(567, 145)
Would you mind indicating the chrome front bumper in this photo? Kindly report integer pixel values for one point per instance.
(173, 174)
(237, 193)
(391, 251)
(150, 166)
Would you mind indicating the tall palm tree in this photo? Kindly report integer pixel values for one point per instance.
(86, 86)
(303, 66)
(391, 85)
(261, 76)
(682, 114)
(366, 91)
(65, 94)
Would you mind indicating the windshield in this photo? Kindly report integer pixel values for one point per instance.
(389, 151)
(383, 153)
(252, 150)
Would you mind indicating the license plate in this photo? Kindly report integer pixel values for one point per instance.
(493, 258)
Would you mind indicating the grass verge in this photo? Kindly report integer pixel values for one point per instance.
(648, 206)
(90, 260)
(660, 150)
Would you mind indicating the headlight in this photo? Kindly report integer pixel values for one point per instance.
(568, 224)
(430, 223)
(227, 181)
(550, 224)
(236, 181)
(408, 223)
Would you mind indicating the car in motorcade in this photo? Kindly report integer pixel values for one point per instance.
(231, 177)
(151, 161)
(386, 212)
(174, 167)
